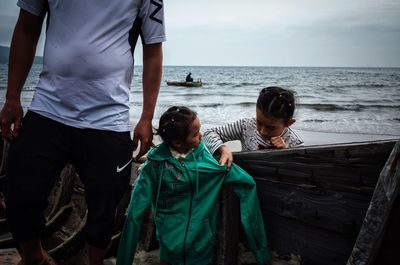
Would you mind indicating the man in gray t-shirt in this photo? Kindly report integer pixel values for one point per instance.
(80, 109)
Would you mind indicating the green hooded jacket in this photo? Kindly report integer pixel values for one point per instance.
(184, 194)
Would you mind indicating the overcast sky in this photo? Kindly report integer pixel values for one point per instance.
(364, 33)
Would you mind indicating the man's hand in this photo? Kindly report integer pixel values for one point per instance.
(11, 113)
(152, 71)
(226, 156)
(143, 132)
(278, 142)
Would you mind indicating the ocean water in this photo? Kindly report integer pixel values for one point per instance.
(347, 100)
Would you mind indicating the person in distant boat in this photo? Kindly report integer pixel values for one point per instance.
(182, 182)
(270, 129)
(80, 111)
(189, 78)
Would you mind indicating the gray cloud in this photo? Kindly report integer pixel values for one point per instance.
(285, 32)
(8, 17)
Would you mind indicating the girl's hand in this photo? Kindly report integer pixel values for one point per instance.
(226, 156)
(278, 142)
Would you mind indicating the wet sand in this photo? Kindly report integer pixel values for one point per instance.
(11, 257)
(247, 258)
(152, 258)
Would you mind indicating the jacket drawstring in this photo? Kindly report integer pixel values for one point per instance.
(159, 189)
(197, 174)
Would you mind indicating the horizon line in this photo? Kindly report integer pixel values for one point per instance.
(271, 66)
(268, 66)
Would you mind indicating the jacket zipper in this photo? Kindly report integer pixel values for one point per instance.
(190, 213)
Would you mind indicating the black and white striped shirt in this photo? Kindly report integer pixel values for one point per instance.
(245, 130)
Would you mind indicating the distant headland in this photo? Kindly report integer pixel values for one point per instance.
(4, 52)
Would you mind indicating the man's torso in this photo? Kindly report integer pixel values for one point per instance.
(88, 61)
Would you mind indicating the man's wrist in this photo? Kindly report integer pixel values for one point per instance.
(13, 96)
(145, 118)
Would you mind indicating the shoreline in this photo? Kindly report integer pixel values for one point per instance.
(314, 138)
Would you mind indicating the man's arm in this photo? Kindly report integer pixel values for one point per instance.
(152, 71)
(22, 52)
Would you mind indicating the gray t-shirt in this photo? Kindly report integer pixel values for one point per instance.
(88, 61)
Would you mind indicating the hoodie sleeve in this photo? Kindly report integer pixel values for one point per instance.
(142, 196)
(245, 188)
(214, 138)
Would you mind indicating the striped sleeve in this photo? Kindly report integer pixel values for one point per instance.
(214, 138)
(292, 139)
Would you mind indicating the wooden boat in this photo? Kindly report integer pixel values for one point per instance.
(65, 217)
(197, 83)
(328, 204)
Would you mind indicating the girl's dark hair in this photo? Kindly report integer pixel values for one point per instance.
(174, 124)
(276, 102)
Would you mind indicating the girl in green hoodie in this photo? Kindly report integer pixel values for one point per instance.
(182, 182)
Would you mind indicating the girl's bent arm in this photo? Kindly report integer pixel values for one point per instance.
(214, 138)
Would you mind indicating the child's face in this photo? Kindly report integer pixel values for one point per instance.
(193, 139)
(269, 126)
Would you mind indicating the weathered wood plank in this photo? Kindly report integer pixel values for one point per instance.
(288, 236)
(314, 199)
(4, 147)
(336, 211)
(389, 250)
(9, 256)
(229, 227)
(328, 166)
(372, 231)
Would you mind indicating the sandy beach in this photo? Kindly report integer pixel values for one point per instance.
(11, 257)
(152, 258)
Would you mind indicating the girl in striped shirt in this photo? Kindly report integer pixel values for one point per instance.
(270, 128)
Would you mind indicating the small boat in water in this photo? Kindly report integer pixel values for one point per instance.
(197, 83)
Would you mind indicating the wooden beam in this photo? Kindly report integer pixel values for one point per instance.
(373, 228)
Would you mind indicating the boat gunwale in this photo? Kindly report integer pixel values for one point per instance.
(314, 147)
